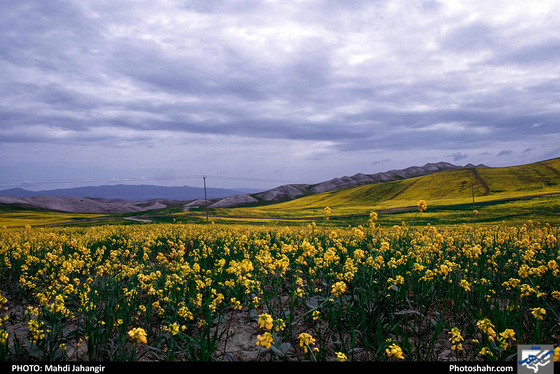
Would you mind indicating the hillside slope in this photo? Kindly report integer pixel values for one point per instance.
(79, 204)
(455, 186)
(293, 191)
(125, 191)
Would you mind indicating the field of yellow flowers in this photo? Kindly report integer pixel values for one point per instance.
(200, 292)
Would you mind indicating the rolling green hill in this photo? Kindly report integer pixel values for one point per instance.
(490, 185)
(513, 194)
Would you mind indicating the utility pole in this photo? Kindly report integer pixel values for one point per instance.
(205, 198)
(472, 187)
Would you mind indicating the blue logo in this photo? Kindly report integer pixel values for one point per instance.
(535, 359)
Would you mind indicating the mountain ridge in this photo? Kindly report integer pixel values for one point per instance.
(293, 191)
(135, 200)
(140, 192)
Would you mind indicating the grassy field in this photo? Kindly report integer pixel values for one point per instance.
(382, 279)
(13, 217)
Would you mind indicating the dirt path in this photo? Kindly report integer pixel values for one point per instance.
(138, 219)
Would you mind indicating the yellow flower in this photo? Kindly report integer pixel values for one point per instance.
(487, 327)
(557, 354)
(173, 328)
(395, 351)
(3, 336)
(265, 340)
(422, 205)
(305, 340)
(538, 313)
(456, 339)
(341, 357)
(36, 333)
(327, 212)
(185, 313)
(504, 336)
(508, 334)
(465, 285)
(486, 352)
(236, 304)
(138, 335)
(338, 288)
(265, 321)
(280, 324)
(316, 315)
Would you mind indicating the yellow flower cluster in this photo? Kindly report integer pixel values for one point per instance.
(341, 357)
(266, 322)
(327, 212)
(394, 351)
(506, 338)
(3, 337)
(35, 331)
(456, 339)
(538, 313)
(266, 340)
(173, 328)
(306, 341)
(338, 288)
(138, 335)
(174, 277)
(487, 327)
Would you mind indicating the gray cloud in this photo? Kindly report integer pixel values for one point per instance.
(459, 156)
(354, 81)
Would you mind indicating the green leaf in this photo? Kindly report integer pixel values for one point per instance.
(407, 312)
(315, 301)
(281, 349)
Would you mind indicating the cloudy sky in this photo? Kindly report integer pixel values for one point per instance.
(258, 93)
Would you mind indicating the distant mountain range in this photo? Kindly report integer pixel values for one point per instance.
(129, 192)
(131, 198)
